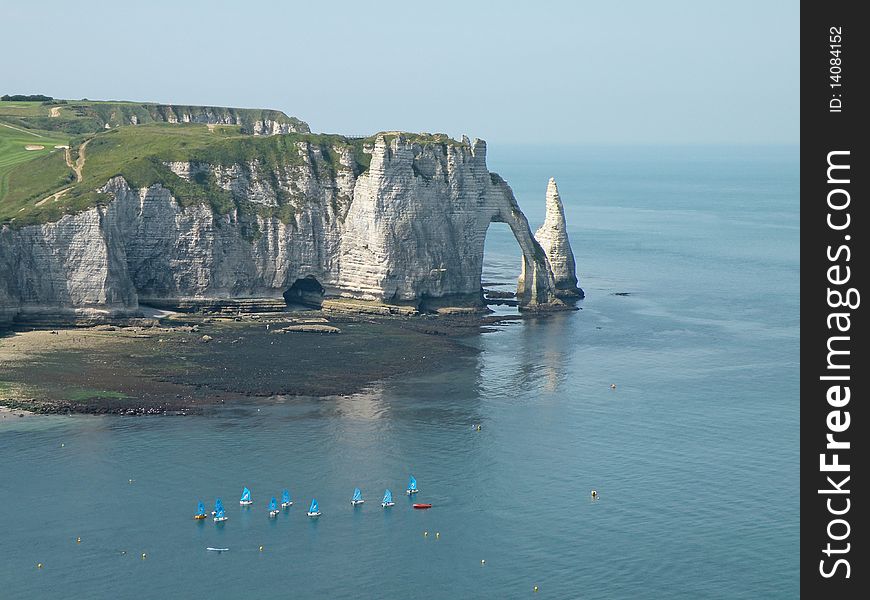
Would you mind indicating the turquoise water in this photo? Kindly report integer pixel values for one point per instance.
(695, 454)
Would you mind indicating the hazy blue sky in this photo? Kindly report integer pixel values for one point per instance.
(544, 72)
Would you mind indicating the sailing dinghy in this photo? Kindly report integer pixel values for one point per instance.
(314, 510)
(286, 502)
(200, 512)
(388, 499)
(357, 497)
(412, 486)
(273, 508)
(219, 514)
(246, 498)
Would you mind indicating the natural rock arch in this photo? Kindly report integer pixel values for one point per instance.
(535, 285)
(417, 225)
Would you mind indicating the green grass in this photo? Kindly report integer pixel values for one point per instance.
(13, 152)
(139, 154)
(24, 109)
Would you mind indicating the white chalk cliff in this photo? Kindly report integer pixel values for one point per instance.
(410, 229)
(553, 237)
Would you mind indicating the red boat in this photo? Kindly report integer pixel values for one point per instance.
(422, 506)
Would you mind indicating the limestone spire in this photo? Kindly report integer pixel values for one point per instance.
(553, 238)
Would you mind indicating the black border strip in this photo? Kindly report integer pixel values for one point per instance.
(834, 222)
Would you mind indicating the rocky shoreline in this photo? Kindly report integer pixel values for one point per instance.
(186, 364)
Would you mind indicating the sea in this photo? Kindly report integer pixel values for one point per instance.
(689, 257)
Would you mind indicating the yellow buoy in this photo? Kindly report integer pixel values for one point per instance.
(261, 548)
(536, 588)
(78, 540)
(425, 534)
(62, 445)
(144, 556)
(38, 565)
(594, 494)
(437, 535)
(129, 481)
(483, 562)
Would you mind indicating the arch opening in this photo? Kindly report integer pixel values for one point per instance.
(501, 268)
(305, 292)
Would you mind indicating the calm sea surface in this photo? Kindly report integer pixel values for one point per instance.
(695, 454)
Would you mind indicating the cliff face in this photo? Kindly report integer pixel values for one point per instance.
(253, 121)
(409, 229)
(85, 116)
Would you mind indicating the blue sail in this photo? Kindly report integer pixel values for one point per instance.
(218, 506)
(200, 509)
(357, 494)
(246, 495)
(273, 504)
(388, 497)
(219, 514)
(412, 483)
(313, 508)
(285, 497)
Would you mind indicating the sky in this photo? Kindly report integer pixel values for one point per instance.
(533, 72)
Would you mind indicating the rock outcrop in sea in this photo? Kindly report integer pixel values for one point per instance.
(553, 237)
(407, 230)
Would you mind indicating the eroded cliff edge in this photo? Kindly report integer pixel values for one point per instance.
(408, 228)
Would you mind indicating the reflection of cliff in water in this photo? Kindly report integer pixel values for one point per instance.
(531, 356)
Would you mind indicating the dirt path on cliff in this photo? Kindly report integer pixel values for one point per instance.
(54, 112)
(80, 161)
(77, 168)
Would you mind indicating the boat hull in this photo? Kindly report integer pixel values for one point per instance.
(220, 519)
(387, 504)
(273, 514)
(245, 502)
(409, 492)
(422, 506)
(356, 502)
(199, 517)
(314, 514)
(286, 504)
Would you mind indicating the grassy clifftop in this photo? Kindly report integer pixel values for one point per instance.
(47, 187)
(77, 117)
(54, 156)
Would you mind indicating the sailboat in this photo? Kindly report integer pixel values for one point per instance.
(388, 499)
(273, 508)
(357, 497)
(246, 498)
(200, 512)
(412, 486)
(314, 510)
(219, 514)
(286, 502)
